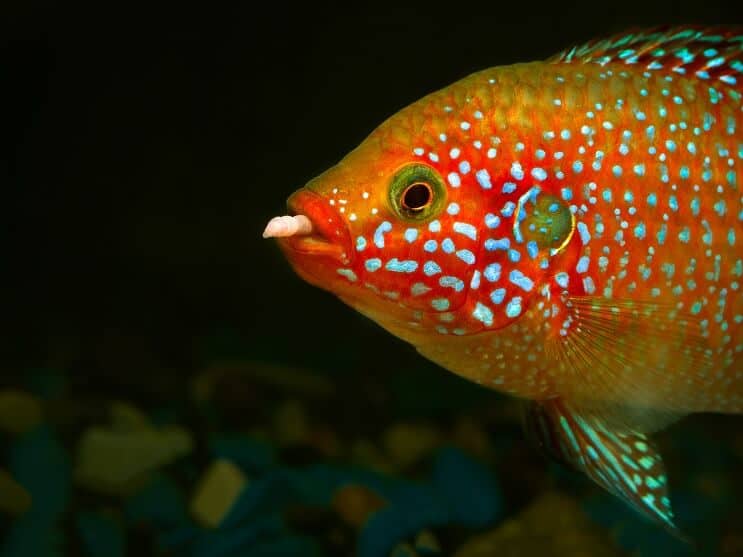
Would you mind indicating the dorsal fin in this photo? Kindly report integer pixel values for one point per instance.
(713, 54)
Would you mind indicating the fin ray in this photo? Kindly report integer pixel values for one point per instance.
(625, 462)
(649, 357)
(713, 54)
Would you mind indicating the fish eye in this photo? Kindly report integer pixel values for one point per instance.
(417, 197)
(417, 192)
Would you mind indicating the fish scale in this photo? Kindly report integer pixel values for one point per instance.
(579, 246)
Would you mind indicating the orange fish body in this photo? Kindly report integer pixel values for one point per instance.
(565, 231)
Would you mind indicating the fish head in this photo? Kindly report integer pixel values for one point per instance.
(415, 229)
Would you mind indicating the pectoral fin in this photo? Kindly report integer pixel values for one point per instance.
(622, 461)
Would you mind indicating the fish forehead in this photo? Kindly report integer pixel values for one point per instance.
(536, 97)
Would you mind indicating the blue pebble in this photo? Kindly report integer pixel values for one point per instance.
(411, 509)
(250, 454)
(161, 502)
(469, 488)
(101, 536)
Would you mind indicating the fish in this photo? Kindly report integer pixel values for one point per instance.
(566, 231)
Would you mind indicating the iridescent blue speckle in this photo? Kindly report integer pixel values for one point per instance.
(465, 229)
(379, 233)
(521, 280)
(373, 264)
(466, 255)
(452, 282)
(484, 314)
(492, 272)
(430, 268)
(483, 178)
(509, 187)
(497, 296)
(513, 309)
(492, 221)
(397, 266)
(492, 244)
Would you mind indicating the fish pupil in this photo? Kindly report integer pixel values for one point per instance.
(417, 196)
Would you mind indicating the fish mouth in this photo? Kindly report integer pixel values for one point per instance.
(329, 235)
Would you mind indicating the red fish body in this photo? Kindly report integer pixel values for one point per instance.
(566, 231)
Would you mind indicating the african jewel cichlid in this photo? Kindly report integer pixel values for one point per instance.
(565, 231)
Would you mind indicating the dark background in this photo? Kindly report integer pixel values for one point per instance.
(146, 152)
(142, 155)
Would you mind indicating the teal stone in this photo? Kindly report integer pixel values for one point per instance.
(161, 503)
(101, 536)
(468, 487)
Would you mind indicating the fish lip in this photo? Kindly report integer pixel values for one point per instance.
(330, 236)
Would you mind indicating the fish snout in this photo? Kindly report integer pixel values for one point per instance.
(313, 228)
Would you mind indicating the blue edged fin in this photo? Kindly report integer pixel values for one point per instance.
(625, 463)
(713, 54)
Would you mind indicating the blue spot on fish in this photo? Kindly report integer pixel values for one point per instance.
(451, 282)
(484, 314)
(483, 178)
(431, 268)
(373, 264)
(521, 280)
(440, 304)
(466, 255)
(492, 272)
(509, 187)
(498, 295)
(397, 266)
(492, 221)
(539, 174)
(465, 229)
(499, 244)
(508, 209)
(585, 236)
(516, 171)
(379, 233)
(513, 309)
(673, 203)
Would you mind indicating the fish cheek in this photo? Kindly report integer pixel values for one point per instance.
(444, 266)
